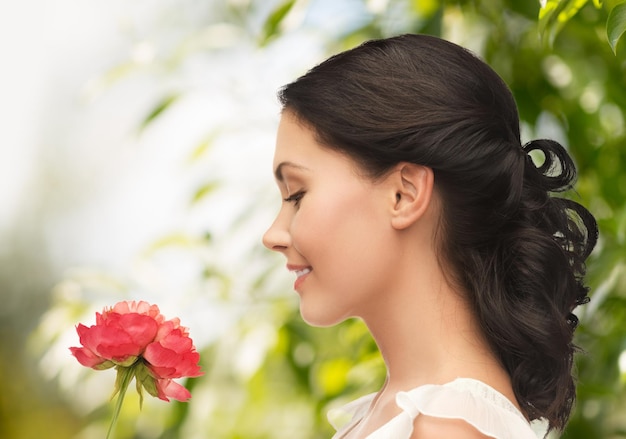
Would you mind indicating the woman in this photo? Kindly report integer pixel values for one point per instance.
(409, 202)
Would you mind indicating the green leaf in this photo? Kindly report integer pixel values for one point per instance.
(203, 191)
(571, 9)
(103, 366)
(145, 380)
(547, 17)
(272, 24)
(549, 11)
(616, 25)
(202, 148)
(128, 362)
(158, 110)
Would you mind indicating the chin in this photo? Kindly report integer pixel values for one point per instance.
(320, 318)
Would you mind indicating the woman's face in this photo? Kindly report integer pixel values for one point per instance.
(333, 227)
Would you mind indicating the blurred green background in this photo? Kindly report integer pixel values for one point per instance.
(139, 138)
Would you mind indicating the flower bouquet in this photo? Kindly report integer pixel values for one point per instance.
(136, 340)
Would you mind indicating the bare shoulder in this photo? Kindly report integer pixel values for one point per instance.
(429, 427)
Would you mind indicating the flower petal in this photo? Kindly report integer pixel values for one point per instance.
(140, 307)
(177, 341)
(86, 357)
(109, 342)
(141, 328)
(167, 363)
(171, 389)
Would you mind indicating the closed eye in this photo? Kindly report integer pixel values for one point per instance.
(295, 198)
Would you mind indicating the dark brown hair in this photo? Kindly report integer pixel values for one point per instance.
(516, 250)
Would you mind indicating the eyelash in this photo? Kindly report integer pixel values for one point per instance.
(295, 198)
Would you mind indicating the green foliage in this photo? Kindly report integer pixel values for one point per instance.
(272, 24)
(554, 14)
(616, 25)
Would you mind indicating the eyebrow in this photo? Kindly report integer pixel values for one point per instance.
(278, 173)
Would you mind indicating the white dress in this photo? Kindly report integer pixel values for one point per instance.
(475, 402)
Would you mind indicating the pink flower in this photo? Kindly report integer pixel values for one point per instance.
(140, 343)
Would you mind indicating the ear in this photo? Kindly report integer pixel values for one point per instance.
(413, 185)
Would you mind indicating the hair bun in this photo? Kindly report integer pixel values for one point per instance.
(557, 168)
(569, 222)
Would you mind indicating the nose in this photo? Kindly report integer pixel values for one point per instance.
(277, 237)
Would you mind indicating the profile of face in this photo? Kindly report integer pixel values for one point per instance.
(333, 227)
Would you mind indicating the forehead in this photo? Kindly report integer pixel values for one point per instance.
(297, 149)
(293, 135)
(296, 146)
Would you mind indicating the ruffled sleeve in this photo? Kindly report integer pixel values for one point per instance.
(473, 401)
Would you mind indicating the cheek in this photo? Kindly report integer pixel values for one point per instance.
(320, 216)
(344, 224)
(311, 225)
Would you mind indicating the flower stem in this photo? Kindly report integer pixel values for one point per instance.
(123, 379)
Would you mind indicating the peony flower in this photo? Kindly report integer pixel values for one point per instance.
(140, 343)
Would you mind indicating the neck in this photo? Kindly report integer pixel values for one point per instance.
(428, 335)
